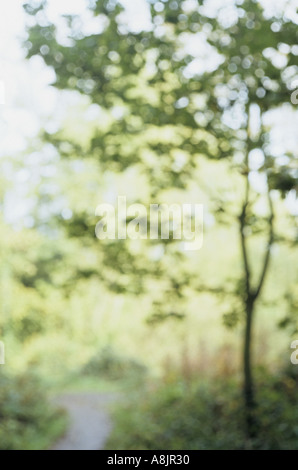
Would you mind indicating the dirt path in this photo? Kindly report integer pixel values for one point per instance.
(90, 423)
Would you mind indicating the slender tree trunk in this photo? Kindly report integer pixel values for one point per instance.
(248, 389)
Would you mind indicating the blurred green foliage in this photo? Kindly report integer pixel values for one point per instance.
(166, 117)
(27, 421)
(109, 365)
(204, 415)
(162, 132)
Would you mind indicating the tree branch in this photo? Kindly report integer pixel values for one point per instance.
(242, 219)
(269, 245)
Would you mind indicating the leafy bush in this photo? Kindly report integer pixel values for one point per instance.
(109, 365)
(26, 419)
(210, 416)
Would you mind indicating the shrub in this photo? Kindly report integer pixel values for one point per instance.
(109, 365)
(210, 416)
(26, 419)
